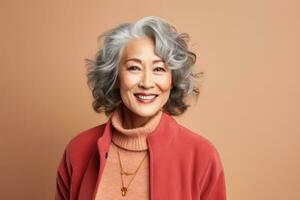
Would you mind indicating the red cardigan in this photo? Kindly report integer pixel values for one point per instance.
(183, 165)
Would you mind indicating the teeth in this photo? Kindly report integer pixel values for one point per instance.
(145, 97)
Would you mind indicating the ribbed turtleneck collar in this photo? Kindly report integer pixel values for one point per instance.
(132, 139)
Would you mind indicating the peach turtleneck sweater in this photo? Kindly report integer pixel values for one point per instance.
(132, 146)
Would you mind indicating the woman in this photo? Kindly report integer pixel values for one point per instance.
(140, 78)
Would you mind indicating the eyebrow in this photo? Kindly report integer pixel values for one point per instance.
(139, 61)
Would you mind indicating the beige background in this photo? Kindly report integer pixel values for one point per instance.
(249, 105)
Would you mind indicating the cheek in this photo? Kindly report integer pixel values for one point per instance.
(127, 81)
(165, 83)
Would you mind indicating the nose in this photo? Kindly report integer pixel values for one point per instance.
(147, 80)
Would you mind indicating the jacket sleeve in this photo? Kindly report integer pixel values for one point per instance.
(63, 178)
(214, 187)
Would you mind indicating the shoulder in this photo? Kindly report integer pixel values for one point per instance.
(87, 136)
(75, 158)
(195, 140)
(204, 152)
(84, 143)
(195, 143)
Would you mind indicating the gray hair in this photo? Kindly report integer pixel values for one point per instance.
(170, 45)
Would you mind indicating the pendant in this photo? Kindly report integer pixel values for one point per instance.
(124, 190)
(127, 173)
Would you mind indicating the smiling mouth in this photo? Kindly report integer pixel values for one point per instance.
(145, 98)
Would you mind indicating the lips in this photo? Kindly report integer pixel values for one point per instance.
(145, 97)
(145, 94)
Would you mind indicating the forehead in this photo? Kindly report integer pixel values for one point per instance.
(141, 48)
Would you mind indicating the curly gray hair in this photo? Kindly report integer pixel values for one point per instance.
(170, 45)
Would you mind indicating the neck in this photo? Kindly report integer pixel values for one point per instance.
(130, 132)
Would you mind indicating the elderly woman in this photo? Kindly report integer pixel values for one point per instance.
(141, 77)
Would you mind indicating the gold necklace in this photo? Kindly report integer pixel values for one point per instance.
(122, 172)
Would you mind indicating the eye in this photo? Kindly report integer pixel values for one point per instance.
(160, 69)
(133, 68)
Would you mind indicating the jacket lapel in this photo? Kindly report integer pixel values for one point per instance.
(160, 151)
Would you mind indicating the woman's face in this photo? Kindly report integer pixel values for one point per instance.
(145, 80)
